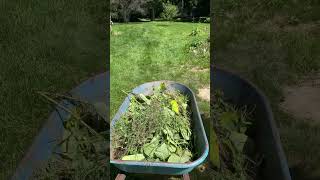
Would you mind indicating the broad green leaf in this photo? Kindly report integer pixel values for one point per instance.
(174, 158)
(229, 120)
(179, 151)
(172, 148)
(185, 157)
(162, 152)
(155, 139)
(214, 154)
(150, 148)
(238, 140)
(185, 134)
(134, 157)
(174, 106)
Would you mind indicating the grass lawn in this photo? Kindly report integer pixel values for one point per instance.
(273, 44)
(151, 51)
(47, 46)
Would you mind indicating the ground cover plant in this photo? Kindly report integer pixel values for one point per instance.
(83, 152)
(156, 127)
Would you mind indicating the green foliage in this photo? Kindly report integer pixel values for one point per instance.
(169, 11)
(156, 126)
(84, 150)
(134, 157)
(229, 132)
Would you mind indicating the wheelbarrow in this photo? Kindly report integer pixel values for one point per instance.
(164, 168)
(241, 92)
(93, 90)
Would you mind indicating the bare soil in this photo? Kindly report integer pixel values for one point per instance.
(204, 93)
(303, 100)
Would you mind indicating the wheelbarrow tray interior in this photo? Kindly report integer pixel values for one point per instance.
(240, 92)
(201, 142)
(45, 143)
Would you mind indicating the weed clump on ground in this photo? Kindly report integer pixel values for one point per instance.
(154, 128)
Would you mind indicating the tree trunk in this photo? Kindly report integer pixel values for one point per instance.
(182, 6)
(125, 16)
(152, 14)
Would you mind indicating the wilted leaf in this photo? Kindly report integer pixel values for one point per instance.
(135, 157)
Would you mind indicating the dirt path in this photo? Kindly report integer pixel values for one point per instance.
(303, 100)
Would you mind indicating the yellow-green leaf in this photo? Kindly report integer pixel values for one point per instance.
(174, 106)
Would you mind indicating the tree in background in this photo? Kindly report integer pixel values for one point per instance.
(125, 9)
(169, 12)
(155, 7)
(122, 9)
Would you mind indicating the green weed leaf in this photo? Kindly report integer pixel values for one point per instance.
(134, 157)
(162, 152)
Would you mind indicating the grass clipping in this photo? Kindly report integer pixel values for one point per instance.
(154, 128)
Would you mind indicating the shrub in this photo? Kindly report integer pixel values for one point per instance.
(169, 11)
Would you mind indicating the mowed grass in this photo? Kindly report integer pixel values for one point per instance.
(48, 46)
(152, 51)
(273, 44)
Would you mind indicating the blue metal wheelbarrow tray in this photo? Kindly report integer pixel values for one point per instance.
(201, 142)
(93, 90)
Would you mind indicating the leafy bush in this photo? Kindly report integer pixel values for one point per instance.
(169, 11)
